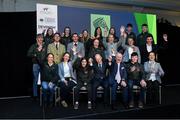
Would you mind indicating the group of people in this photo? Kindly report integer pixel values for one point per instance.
(75, 61)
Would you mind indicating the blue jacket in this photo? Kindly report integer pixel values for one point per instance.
(113, 71)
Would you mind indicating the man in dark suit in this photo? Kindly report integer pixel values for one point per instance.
(141, 38)
(118, 77)
(100, 69)
(148, 47)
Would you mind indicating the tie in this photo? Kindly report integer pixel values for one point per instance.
(56, 46)
(100, 66)
(75, 44)
(118, 76)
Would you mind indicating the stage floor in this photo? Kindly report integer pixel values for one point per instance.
(28, 108)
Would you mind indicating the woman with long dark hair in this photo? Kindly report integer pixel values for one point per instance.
(84, 77)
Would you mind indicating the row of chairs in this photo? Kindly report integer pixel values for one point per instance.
(83, 90)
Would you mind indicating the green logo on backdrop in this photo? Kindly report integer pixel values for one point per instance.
(98, 20)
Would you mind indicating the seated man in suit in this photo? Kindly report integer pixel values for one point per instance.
(136, 76)
(75, 48)
(118, 77)
(100, 68)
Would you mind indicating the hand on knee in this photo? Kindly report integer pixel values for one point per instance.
(143, 83)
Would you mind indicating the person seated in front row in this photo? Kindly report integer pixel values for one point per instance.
(153, 71)
(67, 78)
(118, 77)
(100, 68)
(136, 76)
(49, 77)
(84, 76)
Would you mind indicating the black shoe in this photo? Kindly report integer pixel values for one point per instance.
(45, 105)
(35, 98)
(105, 105)
(93, 106)
(51, 105)
(126, 106)
(113, 107)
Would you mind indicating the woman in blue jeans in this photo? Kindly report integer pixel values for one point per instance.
(49, 79)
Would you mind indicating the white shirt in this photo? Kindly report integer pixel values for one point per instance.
(118, 76)
(130, 51)
(149, 47)
(153, 75)
(66, 70)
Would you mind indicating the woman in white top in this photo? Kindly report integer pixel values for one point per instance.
(130, 48)
(67, 78)
(154, 72)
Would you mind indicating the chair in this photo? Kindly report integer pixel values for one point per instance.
(56, 95)
(83, 90)
(136, 89)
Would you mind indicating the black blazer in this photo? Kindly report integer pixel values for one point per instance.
(144, 52)
(100, 73)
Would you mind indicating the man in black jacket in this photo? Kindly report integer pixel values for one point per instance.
(136, 76)
(37, 53)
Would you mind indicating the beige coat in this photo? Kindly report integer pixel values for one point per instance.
(58, 53)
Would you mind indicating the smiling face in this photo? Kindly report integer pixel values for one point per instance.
(50, 31)
(50, 58)
(112, 31)
(130, 41)
(39, 39)
(56, 38)
(134, 59)
(67, 31)
(75, 38)
(98, 58)
(118, 57)
(66, 57)
(144, 29)
(84, 63)
(111, 38)
(149, 40)
(152, 56)
(85, 33)
(96, 43)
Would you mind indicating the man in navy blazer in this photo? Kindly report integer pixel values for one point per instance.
(118, 77)
(100, 68)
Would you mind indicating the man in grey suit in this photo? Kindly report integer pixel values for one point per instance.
(75, 48)
(153, 72)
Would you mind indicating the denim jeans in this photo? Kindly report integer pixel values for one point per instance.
(48, 90)
(36, 71)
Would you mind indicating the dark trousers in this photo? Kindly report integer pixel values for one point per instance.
(80, 84)
(65, 90)
(114, 86)
(95, 85)
(130, 87)
(153, 92)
